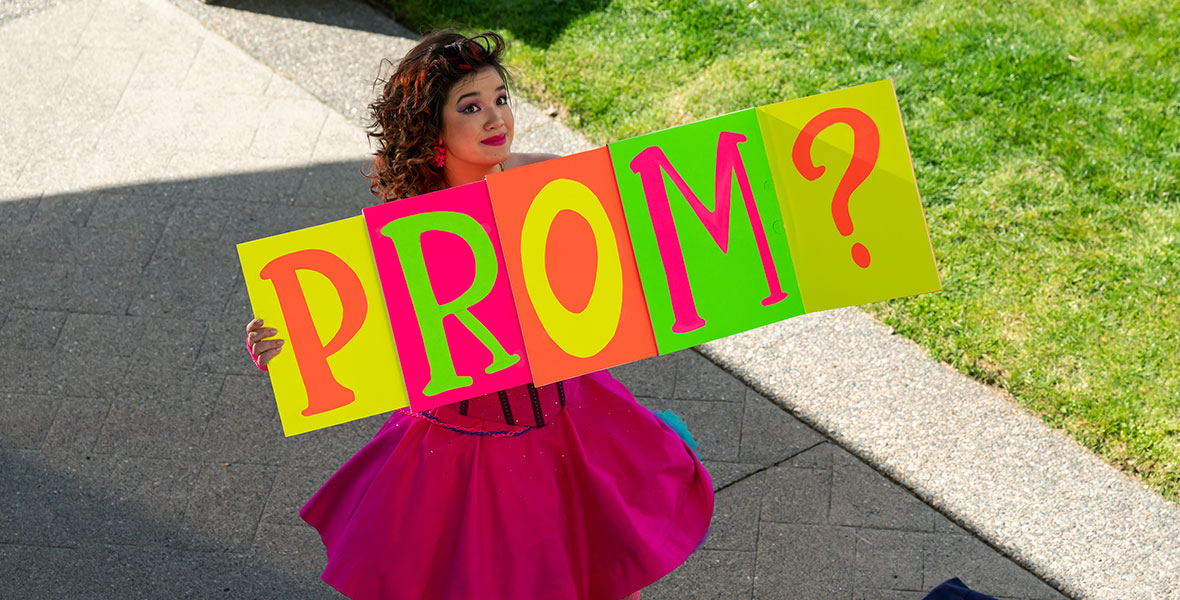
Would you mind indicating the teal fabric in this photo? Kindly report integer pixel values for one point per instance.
(677, 424)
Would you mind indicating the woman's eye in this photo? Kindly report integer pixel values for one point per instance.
(502, 100)
(470, 108)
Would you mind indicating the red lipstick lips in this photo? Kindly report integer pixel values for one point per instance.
(497, 140)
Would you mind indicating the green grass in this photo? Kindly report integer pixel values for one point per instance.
(1046, 143)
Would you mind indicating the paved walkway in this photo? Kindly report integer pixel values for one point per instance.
(141, 453)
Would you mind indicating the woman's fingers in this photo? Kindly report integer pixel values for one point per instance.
(252, 325)
(266, 356)
(263, 347)
(255, 336)
(255, 328)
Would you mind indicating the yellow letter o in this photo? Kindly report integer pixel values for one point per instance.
(585, 333)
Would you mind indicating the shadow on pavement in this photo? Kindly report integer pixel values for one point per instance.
(140, 452)
(70, 532)
(536, 22)
(336, 14)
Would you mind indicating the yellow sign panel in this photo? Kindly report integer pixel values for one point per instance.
(849, 200)
(319, 288)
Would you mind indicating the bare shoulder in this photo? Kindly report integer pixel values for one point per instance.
(520, 159)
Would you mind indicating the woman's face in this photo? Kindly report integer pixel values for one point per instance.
(477, 120)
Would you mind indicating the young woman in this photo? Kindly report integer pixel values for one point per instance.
(570, 491)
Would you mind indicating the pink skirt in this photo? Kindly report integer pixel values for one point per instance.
(599, 502)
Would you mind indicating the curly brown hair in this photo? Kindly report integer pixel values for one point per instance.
(407, 117)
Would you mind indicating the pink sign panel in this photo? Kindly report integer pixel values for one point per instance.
(446, 287)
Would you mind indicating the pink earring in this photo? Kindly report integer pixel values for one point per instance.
(440, 155)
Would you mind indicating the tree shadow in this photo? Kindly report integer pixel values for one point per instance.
(356, 14)
(536, 22)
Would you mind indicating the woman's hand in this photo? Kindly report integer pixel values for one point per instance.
(262, 348)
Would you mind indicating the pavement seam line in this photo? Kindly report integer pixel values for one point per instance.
(262, 509)
(60, 332)
(757, 548)
(831, 485)
(258, 125)
(213, 409)
(328, 110)
(765, 468)
(126, 85)
(193, 59)
(56, 413)
(742, 423)
(105, 420)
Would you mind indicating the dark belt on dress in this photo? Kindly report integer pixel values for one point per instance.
(505, 407)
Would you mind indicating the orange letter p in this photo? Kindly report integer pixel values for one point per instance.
(324, 393)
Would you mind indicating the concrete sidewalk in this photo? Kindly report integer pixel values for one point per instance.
(142, 452)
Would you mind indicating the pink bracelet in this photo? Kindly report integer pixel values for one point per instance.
(255, 357)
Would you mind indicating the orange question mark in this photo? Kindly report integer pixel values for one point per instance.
(865, 146)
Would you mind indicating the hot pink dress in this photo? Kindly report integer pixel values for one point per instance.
(600, 500)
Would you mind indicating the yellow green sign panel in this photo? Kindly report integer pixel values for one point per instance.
(849, 200)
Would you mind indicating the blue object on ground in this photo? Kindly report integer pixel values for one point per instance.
(677, 424)
(953, 589)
